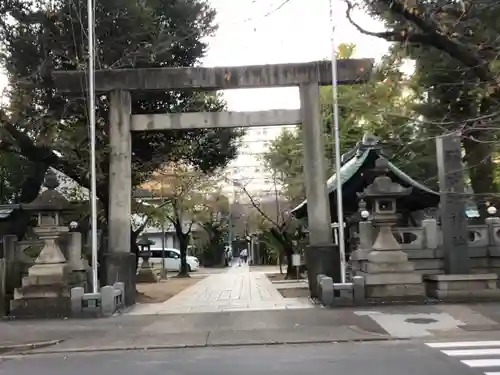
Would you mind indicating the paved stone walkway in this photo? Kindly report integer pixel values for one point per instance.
(237, 289)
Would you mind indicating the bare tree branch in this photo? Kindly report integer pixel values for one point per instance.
(432, 36)
(257, 207)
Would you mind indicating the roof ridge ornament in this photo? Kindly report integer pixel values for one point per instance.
(370, 139)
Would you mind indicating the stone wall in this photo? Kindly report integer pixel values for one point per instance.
(423, 246)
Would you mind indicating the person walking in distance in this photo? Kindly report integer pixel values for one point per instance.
(244, 255)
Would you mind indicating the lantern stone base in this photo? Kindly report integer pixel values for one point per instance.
(41, 308)
(146, 275)
(324, 260)
(44, 293)
(476, 286)
(121, 267)
(388, 274)
(60, 270)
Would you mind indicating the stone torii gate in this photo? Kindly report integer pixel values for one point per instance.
(119, 263)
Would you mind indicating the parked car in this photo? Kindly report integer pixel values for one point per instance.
(173, 260)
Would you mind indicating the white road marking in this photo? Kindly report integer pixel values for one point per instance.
(471, 352)
(482, 362)
(462, 344)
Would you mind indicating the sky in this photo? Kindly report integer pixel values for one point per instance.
(257, 32)
(261, 32)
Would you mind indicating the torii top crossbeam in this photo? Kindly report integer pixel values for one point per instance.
(350, 71)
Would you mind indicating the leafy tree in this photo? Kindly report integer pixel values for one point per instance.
(186, 193)
(380, 107)
(215, 222)
(280, 228)
(48, 129)
(454, 44)
(13, 172)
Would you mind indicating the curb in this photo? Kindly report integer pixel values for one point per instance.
(29, 346)
(197, 346)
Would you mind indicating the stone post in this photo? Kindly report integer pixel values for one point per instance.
(431, 233)
(119, 262)
(452, 205)
(321, 255)
(492, 223)
(76, 263)
(365, 235)
(13, 268)
(4, 301)
(493, 242)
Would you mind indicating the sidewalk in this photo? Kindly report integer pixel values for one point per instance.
(236, 289)
(194, 330)
(233, 328)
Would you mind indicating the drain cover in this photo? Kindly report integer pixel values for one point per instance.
(420, 320)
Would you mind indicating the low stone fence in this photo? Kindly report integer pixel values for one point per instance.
(331, 293)
(105, 303)
(424, 246)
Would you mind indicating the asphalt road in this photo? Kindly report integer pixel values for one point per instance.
(375, 358)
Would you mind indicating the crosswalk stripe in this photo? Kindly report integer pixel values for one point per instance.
(481, 362)
(471, 352)
(462, 344)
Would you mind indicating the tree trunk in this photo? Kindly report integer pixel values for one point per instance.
(287, 250)
(183, 244)
(290, 269)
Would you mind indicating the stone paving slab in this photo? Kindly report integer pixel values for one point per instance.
(236, 289)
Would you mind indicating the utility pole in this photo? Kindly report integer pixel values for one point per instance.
(163, 272)
(230, 221)
(336, 137)
(91, 110)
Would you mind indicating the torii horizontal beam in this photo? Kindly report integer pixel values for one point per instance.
(349, 71)
(201, 120)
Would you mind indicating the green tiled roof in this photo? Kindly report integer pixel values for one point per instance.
(349, 169)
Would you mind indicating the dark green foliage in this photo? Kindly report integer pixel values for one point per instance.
(43, 37)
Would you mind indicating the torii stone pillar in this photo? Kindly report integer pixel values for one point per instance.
(321, 254)
(119, 263)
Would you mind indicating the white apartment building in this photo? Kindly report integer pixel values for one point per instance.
(248, 168)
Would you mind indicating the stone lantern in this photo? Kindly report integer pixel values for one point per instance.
(145, 250)
(46, 286)
(387, 272)
(145, 273)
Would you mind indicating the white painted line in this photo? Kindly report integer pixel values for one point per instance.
(492, 373)
(482, 362)
(462, 344)
(471, 352)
